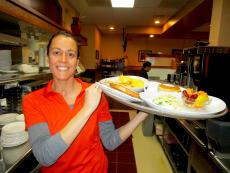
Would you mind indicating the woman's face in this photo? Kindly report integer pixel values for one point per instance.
(63, 57)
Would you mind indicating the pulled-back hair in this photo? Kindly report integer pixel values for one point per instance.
(64, 33)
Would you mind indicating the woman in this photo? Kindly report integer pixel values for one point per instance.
(68, 120)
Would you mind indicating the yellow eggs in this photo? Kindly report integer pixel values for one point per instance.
(131, 82)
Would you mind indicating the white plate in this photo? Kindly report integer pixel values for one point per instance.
(12, 128)
(20, 117)
(8, 71)
(7, 118)
(215, 106)
(108, 90)
(116, 80)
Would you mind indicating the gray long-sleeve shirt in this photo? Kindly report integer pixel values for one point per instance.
(47, 149)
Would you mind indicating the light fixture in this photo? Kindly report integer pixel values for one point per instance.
(151, 35)
(111, 28)
(122, 3)
(157, 22)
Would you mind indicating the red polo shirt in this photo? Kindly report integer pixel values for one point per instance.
(85, 154)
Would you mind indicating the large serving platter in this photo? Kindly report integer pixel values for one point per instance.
(214, 109)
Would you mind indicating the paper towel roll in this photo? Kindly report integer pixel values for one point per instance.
(41, 60)
(5, 60)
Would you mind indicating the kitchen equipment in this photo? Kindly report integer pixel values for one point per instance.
(218, 135)
(208, 66)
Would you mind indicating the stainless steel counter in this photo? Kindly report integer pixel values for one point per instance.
(12, 157)
(223, 164)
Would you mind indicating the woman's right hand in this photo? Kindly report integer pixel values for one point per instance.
(92, 97)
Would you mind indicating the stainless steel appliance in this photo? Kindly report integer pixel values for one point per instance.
(208, 67)
(218, 133)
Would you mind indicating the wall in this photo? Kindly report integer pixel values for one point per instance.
(87, 53)
(111, 47)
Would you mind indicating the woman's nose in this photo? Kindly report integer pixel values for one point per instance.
(63, 57)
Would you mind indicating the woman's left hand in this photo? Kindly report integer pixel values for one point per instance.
(92, 97)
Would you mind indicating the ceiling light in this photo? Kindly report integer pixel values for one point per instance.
(157, 22)
(151, 35)
(122, 3)
(111, 28)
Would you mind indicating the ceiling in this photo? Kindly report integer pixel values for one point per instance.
(179, 18)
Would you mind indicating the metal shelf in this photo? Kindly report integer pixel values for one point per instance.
(178, 141)
(17, 77)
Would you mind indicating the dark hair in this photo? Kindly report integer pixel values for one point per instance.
(64, 33)
(147, 64)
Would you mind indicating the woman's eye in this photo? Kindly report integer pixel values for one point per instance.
(56, 53)
(71, 54)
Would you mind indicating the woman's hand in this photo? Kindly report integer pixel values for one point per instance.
(142, 115)
(92, 97)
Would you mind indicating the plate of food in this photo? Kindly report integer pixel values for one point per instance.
(124, 87)
(134, 83)
(184, 103)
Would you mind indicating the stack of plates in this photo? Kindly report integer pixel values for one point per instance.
(7, 118)
(20, 117)
(14, 134)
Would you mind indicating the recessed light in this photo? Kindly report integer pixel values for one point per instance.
(111, 28)
(151, 35)
(157, 22)
(122, 3)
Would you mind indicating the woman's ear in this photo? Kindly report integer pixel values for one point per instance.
(78, 61)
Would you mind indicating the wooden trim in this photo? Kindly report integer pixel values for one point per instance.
(21, 14)
(35, 12)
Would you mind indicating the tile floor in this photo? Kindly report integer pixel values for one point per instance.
(148, 156)
(122, 160)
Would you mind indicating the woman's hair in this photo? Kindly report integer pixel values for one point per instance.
(64, 33)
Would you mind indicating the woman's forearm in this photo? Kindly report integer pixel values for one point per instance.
(74, 126)
(126, 130)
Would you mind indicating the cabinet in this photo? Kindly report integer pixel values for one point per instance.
(183, 149)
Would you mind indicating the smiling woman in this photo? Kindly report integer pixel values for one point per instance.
(69, 120)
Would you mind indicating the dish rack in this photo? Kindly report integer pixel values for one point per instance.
(11, 94)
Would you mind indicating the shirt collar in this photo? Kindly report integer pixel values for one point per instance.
(50, 91)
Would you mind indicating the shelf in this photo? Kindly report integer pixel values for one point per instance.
(17, 77)
(170, 158)
(178, 141)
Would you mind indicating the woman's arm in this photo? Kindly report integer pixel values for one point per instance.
(112, 138)
(46, 148)
(92, 99)
(126, 130)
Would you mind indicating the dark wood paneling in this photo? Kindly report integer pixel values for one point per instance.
(48, 10)
(197, 17)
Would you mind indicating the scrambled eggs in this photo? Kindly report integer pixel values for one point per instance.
(131, 82)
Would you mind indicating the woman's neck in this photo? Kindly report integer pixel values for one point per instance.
(68, 89)
(65, 88)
